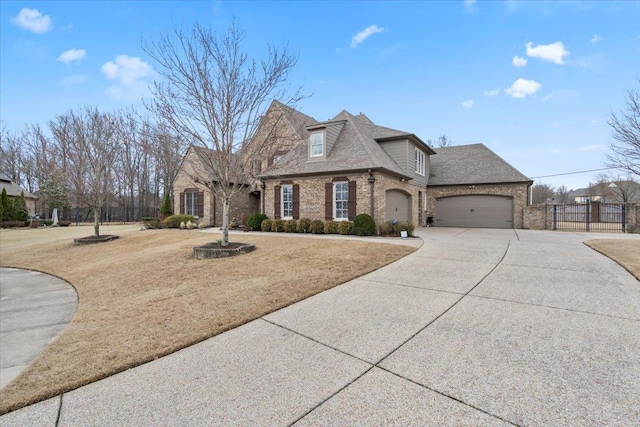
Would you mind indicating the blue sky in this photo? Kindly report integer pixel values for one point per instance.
(534, 81)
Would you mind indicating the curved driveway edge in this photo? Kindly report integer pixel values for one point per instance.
(477, 327)
(34, 308)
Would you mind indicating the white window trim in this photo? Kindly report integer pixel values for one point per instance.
(335, 204)
(282, 201)
(194, 197)
(321, 155)
(420, 162)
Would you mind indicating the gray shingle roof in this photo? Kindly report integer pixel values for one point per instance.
(471, 164)
(296, 119)
(13, 189)
(355, 148)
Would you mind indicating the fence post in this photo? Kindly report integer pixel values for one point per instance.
(624, 218)
(555, 218)
(588, 215)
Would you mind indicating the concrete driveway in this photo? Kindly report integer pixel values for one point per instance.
(478, 327)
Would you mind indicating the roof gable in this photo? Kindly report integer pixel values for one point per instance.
(471, 164)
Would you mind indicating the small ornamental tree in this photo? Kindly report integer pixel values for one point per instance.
(7, 206)
(165, 209)
(20, 211)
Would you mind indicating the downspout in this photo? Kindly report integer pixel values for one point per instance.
(263, 186)
(372, 182)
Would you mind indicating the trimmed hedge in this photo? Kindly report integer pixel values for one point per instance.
(266, 224)
(390, 229)
(331, 227)
(345, 227)
(291, 226)
(317, 227)
(304, 225)
(174, 221)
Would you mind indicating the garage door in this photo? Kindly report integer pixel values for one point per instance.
(475, 211)
(398, 206)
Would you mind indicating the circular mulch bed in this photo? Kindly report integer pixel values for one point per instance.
(216, 250)
(94, 239)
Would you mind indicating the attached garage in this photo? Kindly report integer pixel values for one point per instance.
(478, 211)
(398, 206)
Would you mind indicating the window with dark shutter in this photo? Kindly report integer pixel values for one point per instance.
(352, 200)
(328, 201)
(201, 204)
(182, 203)
(296, 201)
(276, 202)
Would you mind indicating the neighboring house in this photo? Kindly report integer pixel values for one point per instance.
(348, 165)
(585, 195)
(471, 186)
(14, 190)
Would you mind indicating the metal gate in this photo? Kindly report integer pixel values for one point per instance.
(594, 216)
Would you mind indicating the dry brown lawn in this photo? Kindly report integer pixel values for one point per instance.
(624, 252)
(144, 296)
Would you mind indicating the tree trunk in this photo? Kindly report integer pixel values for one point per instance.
(96, 222)
(225, 221)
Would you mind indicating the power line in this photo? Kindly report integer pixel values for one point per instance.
(572, 173)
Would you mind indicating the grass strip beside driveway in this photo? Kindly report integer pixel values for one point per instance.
(144, 296)
(624, 252)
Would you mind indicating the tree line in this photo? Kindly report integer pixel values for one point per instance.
(89, 159)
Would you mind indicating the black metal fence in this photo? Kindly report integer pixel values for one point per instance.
(594, 216)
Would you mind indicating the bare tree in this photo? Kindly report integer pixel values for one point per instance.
(91, 150)
(442, 141)
(562, 194)
(214, 95)
(624, 189)
(626, 132)
(541, 193)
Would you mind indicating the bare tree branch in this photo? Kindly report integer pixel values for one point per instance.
(625, 127)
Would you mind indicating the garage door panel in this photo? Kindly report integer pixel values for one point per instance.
(398, 206)
(475, 211)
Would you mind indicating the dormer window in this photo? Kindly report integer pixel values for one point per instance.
(317, 144)
(419, 162)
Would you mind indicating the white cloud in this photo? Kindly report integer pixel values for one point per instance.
(74, 80)
(468, 104)
(592, 147)
(72, 55)
(469, 4)
(32, 20)
(522, 88)
(365, 34)
(493, 92)
(595, 39)
(130, 74)
(554, 52)
(519, 62)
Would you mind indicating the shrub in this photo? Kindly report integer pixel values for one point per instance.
(48, 222)
(317, 227)
(345, 227)
(408, 226)
(202, 225)
(174, 221)
(390, 228)
(63, 223)
(190, 225)
(277, 225)
(330, 227)
(35, 224)
(304, 225)
(165, 209)
(363, 225)
(291, 226)
(385, 228)
(13, 224)
(265, 225)
(254, 222)
(183, 225)
(150, 222)
(20, 212)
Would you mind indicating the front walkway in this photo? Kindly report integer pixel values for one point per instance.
(477, 327)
